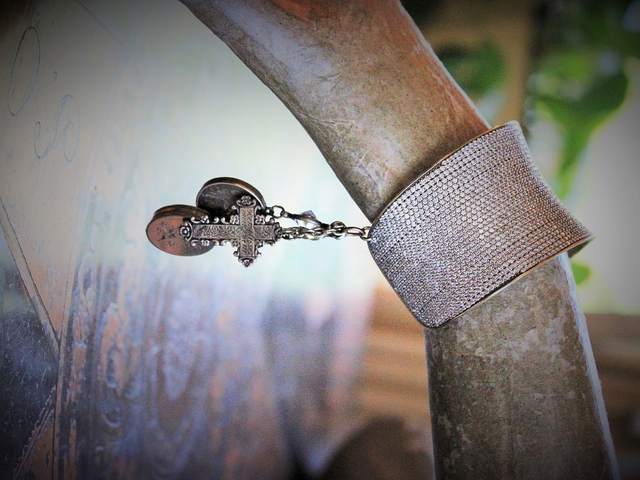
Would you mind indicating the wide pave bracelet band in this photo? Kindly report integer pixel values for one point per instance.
(471, 224)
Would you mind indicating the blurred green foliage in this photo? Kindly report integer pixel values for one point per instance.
(580, 272)
(578, 76)
(478, 70)
(578, 118)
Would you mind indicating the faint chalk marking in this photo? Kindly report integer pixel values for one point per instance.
(67, 116)
(24, 71)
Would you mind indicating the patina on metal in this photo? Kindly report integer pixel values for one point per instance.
(164, 230)
(220, 194)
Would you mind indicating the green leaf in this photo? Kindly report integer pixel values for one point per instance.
(574, 143)
(592, 107)
(605, 28)
(580, 272)
(578, 118)
(477, 70)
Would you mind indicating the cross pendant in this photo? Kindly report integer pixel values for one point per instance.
(247, 230)
(229, 210)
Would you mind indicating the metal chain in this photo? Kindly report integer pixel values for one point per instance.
(318, 229)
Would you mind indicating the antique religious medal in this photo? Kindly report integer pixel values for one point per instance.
(229, 210)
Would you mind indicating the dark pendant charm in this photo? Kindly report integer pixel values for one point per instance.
(228, 211)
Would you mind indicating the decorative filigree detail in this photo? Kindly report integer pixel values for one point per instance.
(231, 211)
(246, 230)
(246, 201)
(186, 231)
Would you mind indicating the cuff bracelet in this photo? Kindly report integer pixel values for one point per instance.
(470, 225)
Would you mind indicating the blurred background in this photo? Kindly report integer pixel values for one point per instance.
(119, 359)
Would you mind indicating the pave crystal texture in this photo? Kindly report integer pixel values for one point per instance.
(468, 226)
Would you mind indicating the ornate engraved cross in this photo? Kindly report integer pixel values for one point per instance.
(227, 211)
(247, 231)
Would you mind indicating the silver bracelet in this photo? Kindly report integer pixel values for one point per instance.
(474, 222)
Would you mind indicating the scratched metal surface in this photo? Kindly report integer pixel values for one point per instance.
(119, 361)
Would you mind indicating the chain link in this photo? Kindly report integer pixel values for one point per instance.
(317, 231)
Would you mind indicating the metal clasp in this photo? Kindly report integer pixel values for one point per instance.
(307, 219)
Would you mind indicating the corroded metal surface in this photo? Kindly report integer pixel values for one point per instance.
(28, 361)
(352, 92)
(514, 389)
